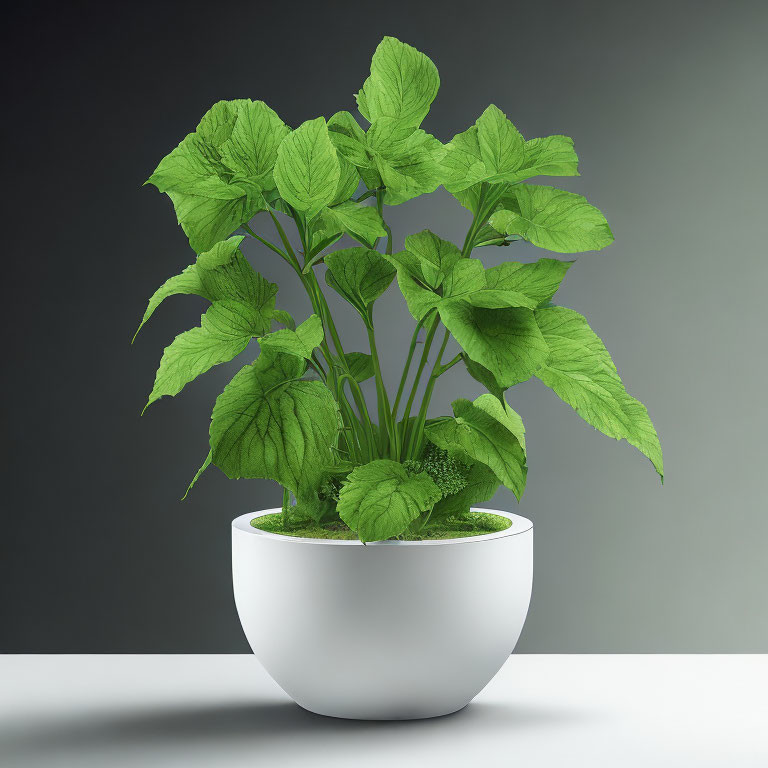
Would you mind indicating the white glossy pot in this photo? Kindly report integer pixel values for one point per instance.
(387, 631)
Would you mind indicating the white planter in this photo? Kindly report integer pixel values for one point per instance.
(387, 631)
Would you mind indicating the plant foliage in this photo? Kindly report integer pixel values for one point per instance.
(297, 414)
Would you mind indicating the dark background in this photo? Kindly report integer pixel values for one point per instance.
(667, 104)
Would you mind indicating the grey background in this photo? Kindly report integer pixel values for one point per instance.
(666, 103)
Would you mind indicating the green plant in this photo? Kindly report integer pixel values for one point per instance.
(297, 415)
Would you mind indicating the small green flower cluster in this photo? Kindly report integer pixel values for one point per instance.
(448, 474)
(329, 490)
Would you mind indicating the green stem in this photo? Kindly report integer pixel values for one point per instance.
(407, 368)
(449, 365)
(320, 308)
(315, 365)
(477, 220)
(422, 363)
(415, 443)
(365, 417)
(294, 262)
(286, 507)
(282, 254)
(380, 210)
(385, 411)
(365, 195)
(352, 432)
(329, 319)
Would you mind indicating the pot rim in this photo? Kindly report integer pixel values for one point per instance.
(519, 525)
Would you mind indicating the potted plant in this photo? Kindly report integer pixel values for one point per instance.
(379, 590)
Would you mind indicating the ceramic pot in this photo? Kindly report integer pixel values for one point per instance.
(390, 630)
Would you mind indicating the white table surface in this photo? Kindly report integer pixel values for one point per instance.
(222, 711)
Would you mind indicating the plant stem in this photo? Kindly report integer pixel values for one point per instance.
(380, 209)
(365, 418)
(282, 254)
(407, 368)
(314, 363)
(477, 220)
(449, 365)
(321, 309)
(365, 195)
(414, 445)
(294, 262)
(286, 507)
(353, 430)
(422, 363)
(329, 319)
(414, 436)
(385, 412)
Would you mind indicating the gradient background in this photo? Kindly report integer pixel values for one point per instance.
(667, 105)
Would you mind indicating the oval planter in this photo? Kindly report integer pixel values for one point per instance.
(385, 631)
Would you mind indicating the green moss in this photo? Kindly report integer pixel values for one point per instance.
(459, 527)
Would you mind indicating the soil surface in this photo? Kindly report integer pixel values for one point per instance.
(459, 527)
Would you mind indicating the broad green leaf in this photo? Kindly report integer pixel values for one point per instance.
(301, 342)
(548, 156)
(406, 262)
(491, 150)
(226, 274)
(553, 219)
(360, 275)
(581, 373)
(481, 485)
(492, 298)
(465, 278)
(221, 273)
(501, 145)
(411, 166)
(464, 162)
(436, 257)
(402, 85)
(481, 374)
(539, 280)
(193, 166)
(380, 499)
(362, 222)
(351, 143)
(465, 283)
(389, 136)
(307, 171)
(488, 432)
(349, 181)
(268, 423)
(506, 341)
(487, 235)
(503, 157)
(203, 467)
(251, 149)
(420, 300)
(207, 220)
(469, 197)
(360, 366)
(216, 125)
(212, 199)
(224, 332)
(349, 139)
(209, 206)
(188, 282)
(284, 318)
